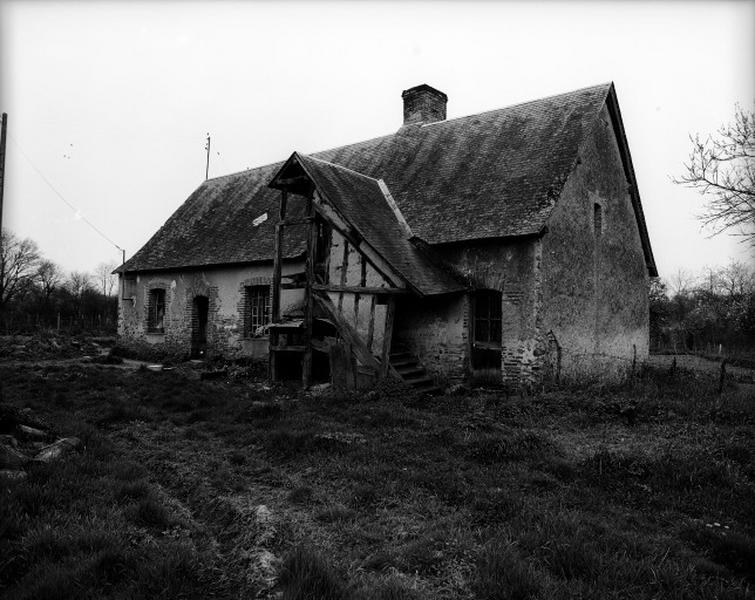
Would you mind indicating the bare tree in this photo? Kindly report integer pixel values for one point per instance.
(18, 266)
(105, 277)
(50, 276)
(722, 167)
(78, 282)
(680, 282)
(736, 279)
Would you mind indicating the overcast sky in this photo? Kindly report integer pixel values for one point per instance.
(111, 101)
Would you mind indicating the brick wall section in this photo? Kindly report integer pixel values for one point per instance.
(510, 267)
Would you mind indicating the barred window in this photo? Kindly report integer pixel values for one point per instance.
(487, 317)
(257, 305)
(156, 311)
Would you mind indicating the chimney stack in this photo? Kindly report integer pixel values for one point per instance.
(424, 104)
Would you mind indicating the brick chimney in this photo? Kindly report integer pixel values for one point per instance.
(424, 104)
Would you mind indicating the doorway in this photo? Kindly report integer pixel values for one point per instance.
(199, 314)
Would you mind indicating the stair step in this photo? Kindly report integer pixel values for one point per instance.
(410, 372)
(405, 362)
(401, 356)
(420, 381)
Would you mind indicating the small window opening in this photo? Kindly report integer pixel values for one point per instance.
(129, 287)
(156, 311)
(598, 219)
(257, 309)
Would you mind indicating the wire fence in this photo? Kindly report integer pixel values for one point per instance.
(31, 323)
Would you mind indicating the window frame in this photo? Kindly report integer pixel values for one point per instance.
(253, 320)
(490, 320)
(128, 287)
(156, 300)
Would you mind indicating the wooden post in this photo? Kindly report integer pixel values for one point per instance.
(388, 338)
(306, 371)
(722, 380)
(275, 303)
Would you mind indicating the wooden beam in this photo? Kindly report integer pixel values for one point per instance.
(347, 332)
(301, 221)
(275, 305)
(355, 289)
(388, 338)
(299, 179)
(344, 267)
(306, 371)
(371, 324)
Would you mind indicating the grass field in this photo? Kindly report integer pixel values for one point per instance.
(231, 489)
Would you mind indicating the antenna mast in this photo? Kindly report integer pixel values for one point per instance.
(207, 168)
(2, 164)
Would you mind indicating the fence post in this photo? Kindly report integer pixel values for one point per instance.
(723, 376)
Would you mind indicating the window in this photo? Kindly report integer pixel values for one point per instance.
(129, 287)
(487, 317)
(156, 311)
(597, 218)
(257, 309)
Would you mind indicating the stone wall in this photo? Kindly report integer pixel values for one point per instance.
(595, 281)
(510, 267)
(436, 329)
(224, 288)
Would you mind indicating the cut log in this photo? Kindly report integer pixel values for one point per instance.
(31, 433)
(58, 449)
(10, 458)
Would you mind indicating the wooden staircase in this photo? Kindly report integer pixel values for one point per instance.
(411, 370)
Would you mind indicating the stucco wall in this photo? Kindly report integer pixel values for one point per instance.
(224, 287)
(357, 309)
(594, 287)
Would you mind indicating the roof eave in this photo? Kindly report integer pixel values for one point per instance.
(612, 103)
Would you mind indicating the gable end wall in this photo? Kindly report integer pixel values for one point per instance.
(595, 284)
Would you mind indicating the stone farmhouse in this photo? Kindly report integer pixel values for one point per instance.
(508, 246)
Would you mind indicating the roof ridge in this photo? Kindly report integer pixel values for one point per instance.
(390, 135)
(523, 103)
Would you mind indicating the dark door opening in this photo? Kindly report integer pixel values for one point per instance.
(199, 315)
(487, 334)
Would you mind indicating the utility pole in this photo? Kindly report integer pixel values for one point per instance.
(3, 135)
(207, 168)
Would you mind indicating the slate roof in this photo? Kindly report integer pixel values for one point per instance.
(494, 174)
(361, 201)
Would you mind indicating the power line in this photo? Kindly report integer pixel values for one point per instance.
(59, 195)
